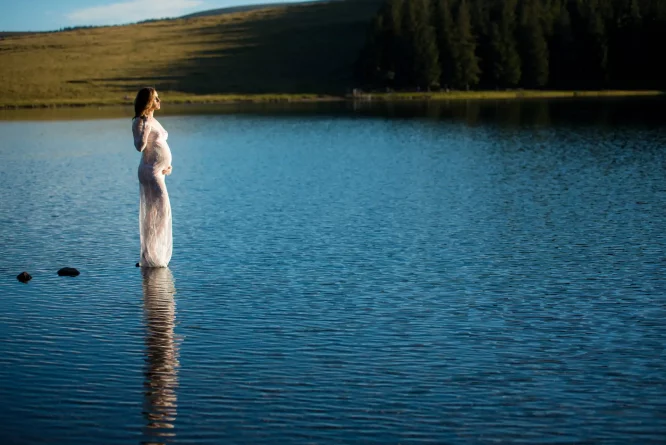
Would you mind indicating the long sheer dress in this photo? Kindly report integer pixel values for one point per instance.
(150, 138)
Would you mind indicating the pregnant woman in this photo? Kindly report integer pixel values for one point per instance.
(150, 138)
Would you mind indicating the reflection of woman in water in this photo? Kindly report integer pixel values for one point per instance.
(161, 369)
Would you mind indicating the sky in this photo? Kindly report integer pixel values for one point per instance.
(49, 15)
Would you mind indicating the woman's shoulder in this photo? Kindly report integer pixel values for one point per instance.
(140, 122)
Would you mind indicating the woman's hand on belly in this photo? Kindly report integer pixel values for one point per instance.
(167, 171)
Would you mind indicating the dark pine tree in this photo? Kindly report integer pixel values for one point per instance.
(466, 66)
(626, 47)
(598, 52)
(562, 53)
(482, 18)
(533, 45)
(370, 63)
(445, 29)
(506, 60)
(422, 69)
(395, 41)
(653, 32)
(405, 72)
(590, 51)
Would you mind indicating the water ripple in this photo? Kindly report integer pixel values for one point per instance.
(336, 280)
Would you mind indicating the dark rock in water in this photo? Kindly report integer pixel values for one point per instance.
(138, 265)
(24, 277)
(68, 272)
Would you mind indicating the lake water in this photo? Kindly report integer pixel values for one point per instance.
(463, 273)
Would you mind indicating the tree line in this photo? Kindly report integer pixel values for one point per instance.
(488, 44)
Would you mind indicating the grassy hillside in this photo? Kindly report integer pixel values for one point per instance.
(299, 49)
(243, 8)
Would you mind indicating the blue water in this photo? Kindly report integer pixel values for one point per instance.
(453, 274)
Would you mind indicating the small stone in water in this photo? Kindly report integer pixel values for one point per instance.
(24, 277)
(68, 272)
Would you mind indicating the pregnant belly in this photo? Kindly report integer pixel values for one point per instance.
(150, 173)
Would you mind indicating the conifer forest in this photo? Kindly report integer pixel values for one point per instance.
(498, 44)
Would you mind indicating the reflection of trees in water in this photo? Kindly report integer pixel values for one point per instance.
(472, 110)
(512, 112)
(161, 367)
(523, 112)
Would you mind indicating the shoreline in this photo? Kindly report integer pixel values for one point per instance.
(178, 99)
(175, 100)
(503, 95)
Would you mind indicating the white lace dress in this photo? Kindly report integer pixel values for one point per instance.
(150, 138)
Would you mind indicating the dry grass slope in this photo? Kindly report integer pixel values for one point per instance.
(300, 50)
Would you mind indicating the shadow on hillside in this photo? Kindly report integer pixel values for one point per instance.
(303, 49)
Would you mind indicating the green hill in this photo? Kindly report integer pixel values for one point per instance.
(297, 49)
(243, 8)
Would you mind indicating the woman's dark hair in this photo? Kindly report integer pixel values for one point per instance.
(144, 102)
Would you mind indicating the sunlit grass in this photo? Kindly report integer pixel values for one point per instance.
(278, 53)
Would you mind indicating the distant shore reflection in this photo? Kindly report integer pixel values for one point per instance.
(161, 367)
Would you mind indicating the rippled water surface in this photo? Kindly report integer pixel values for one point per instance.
(402, 274)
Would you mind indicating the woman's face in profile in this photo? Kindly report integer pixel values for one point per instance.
(158, 104)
